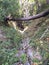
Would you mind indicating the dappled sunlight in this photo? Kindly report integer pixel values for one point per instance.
(22, 32)
(14, 25)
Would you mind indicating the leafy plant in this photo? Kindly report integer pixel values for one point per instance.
(23, 58)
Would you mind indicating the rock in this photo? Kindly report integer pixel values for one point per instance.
(34, 64)
(2, 37)
(25, 43)
(27, 63)
(30, 53)
(0, 31)
(47, 39)
(20, 52)
(38, 56)
(18, 63)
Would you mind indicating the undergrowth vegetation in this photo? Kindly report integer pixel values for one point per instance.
(41, 41)
(8, 48)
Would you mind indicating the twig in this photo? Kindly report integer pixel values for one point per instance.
(44, 33)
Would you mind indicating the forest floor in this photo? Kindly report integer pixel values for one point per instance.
(34, 38)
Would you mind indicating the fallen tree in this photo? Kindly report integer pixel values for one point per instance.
(42, 14)
(20, 20)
